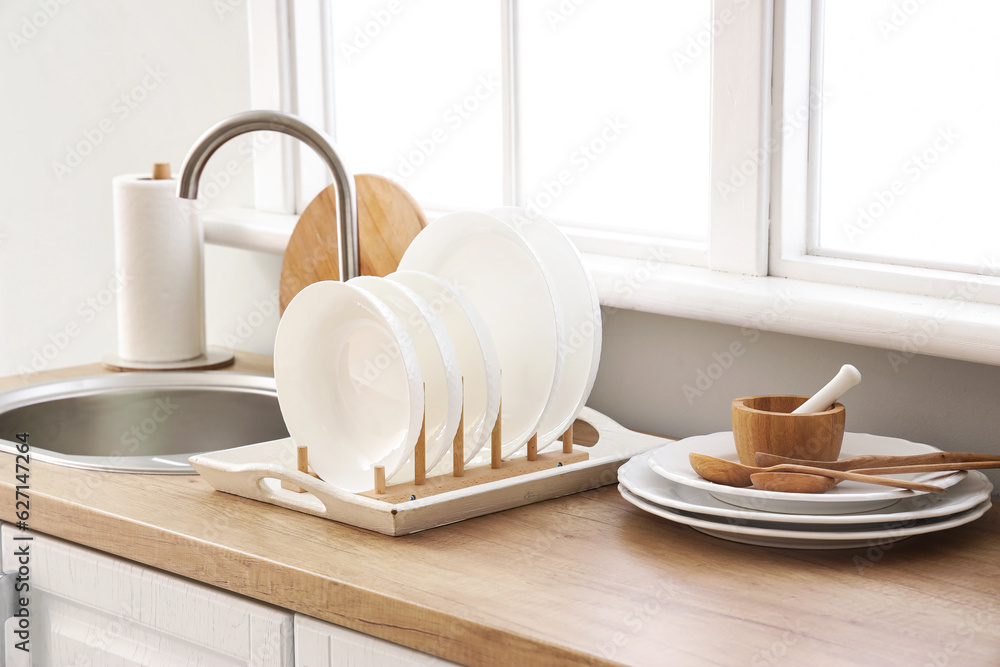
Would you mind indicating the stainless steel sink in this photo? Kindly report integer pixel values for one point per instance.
(140, 422)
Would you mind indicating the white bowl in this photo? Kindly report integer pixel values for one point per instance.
(439, 364)
(349, 383)
(477, 355)
(501, 276)
(581, 313)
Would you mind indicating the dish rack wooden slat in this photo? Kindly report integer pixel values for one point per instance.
(598, 446)
(422, 487)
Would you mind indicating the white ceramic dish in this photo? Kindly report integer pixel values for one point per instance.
(581, 314)
(349, 383)
(439, 365)
(501, 276)
(807, 539)
(672, 462)
(477, 355)
(639, 478)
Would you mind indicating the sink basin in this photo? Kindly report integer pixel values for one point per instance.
(140, 422)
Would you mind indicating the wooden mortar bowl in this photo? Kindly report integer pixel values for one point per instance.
(764, 424)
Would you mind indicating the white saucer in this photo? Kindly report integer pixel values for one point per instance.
(807, 539)
(581, 313)
(439, 363)
(478, 361)
(636, 476)
(349, 383)
(496, 271)
(671, 461)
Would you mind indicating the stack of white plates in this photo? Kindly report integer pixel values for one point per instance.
(487, 310)
(849, 516)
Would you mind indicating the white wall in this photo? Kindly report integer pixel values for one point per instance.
(92, 90)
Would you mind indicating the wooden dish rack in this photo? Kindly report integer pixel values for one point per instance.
(460, 477)
(278, 473)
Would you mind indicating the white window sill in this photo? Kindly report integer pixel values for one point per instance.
(249, 229)
(905, 323)
(908, 324)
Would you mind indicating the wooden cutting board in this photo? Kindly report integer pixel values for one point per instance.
(388, 219)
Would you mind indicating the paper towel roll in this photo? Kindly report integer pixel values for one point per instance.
(159, 244)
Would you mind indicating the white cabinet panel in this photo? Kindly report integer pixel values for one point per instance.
(322, 644)
(92, 610)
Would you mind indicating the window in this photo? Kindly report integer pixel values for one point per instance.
(892, 188)
(595, 114)
(908, 133)
(418, 98)
(847, 145)
(614, 106)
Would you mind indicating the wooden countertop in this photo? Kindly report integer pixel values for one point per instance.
(585, 579)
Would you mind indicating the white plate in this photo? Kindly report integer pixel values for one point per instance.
(672, 462)
(439, 365)
(581, 312)
(477, 355)
(501, 276)
(349, 383)
(804, 539)
(636, 476)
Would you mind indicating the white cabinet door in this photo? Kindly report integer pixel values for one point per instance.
(322, 644)
(88, 609)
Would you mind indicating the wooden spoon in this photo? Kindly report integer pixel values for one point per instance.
(792, 482)
(872, 461)
(796, 483)
(388, 219)
(732, 473)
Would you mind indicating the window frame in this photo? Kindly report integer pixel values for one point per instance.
(795, 204)
(756, 270)
(291, 49)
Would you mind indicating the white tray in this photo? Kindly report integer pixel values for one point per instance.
(256, 472)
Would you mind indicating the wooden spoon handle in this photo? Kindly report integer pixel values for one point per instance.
(932, 467)
(859, 477)
(873, 461)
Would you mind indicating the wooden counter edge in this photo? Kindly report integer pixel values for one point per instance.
(422, 628)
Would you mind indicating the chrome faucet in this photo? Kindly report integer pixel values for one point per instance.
(275, 121)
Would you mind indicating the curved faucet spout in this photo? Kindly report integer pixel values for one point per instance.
(275, 121)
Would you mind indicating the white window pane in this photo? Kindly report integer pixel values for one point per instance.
(910, 132)
(418, 96)
(615, 100)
